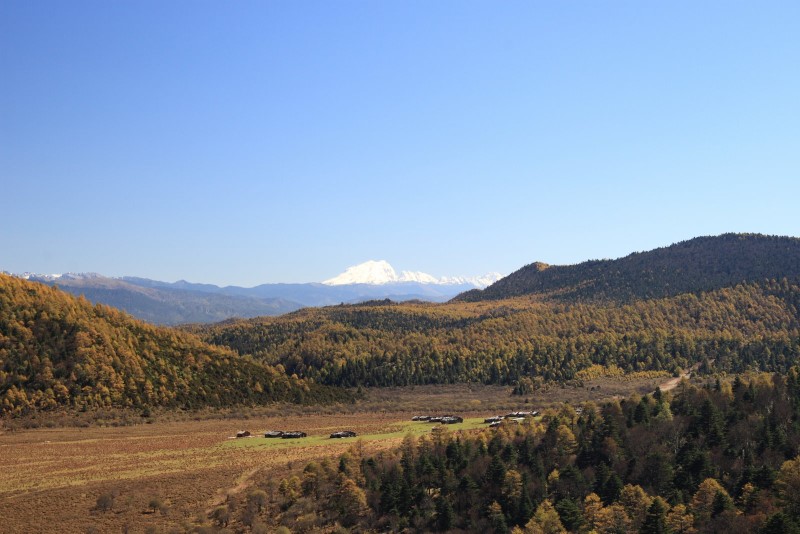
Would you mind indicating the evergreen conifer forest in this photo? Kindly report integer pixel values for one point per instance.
(717, 458)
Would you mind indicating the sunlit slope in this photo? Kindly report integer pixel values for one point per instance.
(59, 350)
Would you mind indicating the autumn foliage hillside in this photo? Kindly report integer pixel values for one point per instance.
(57, 350)
(749, 326)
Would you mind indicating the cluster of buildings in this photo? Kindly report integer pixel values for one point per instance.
(516, 417)
(443, 419)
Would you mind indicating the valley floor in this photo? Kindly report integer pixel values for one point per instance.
(52, 478)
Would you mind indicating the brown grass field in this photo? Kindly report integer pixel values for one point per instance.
(51, 478)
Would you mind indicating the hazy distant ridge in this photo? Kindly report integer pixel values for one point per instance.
(163, 303)
(171, 303)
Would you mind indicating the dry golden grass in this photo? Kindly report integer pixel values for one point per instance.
(50, 479)
(54, 477)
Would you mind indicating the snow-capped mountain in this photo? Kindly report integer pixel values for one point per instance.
(369, 272)
(65, 276)
(380, 273)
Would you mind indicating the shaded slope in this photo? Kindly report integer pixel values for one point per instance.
(58, 350)
(700, 264)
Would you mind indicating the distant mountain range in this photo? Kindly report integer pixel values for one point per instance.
(171, 303)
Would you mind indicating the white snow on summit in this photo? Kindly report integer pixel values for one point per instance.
(380, 272)
(65, 276)
(419, 277)
(35, 276)
(369, 272)
(477, 281)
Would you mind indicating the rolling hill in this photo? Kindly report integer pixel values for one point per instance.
(57, 350)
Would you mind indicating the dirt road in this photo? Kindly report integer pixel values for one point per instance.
(672, 383)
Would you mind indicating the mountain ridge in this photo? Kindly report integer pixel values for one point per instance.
(699, 264)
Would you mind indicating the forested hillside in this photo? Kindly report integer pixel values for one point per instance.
(700, 264)
(721, 458)
(59, 350)
(749, 326)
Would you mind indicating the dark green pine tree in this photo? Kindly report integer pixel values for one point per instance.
(642, 412)
(496, 472)
(779, 523)
(712, 423)
(497, 519)
(444, 514)
(570, 513)
(525, 508)
(722, 501)
(655, 522)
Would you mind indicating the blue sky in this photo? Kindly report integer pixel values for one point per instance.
(251, 142)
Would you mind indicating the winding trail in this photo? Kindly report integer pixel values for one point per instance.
(244, 481)
(672, 383)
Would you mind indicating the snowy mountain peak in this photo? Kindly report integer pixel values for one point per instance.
(380, 272)
(65, 276)
(419, 277)
(477, 281)
(369, 272)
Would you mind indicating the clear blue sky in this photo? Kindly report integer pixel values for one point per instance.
(251, 142)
